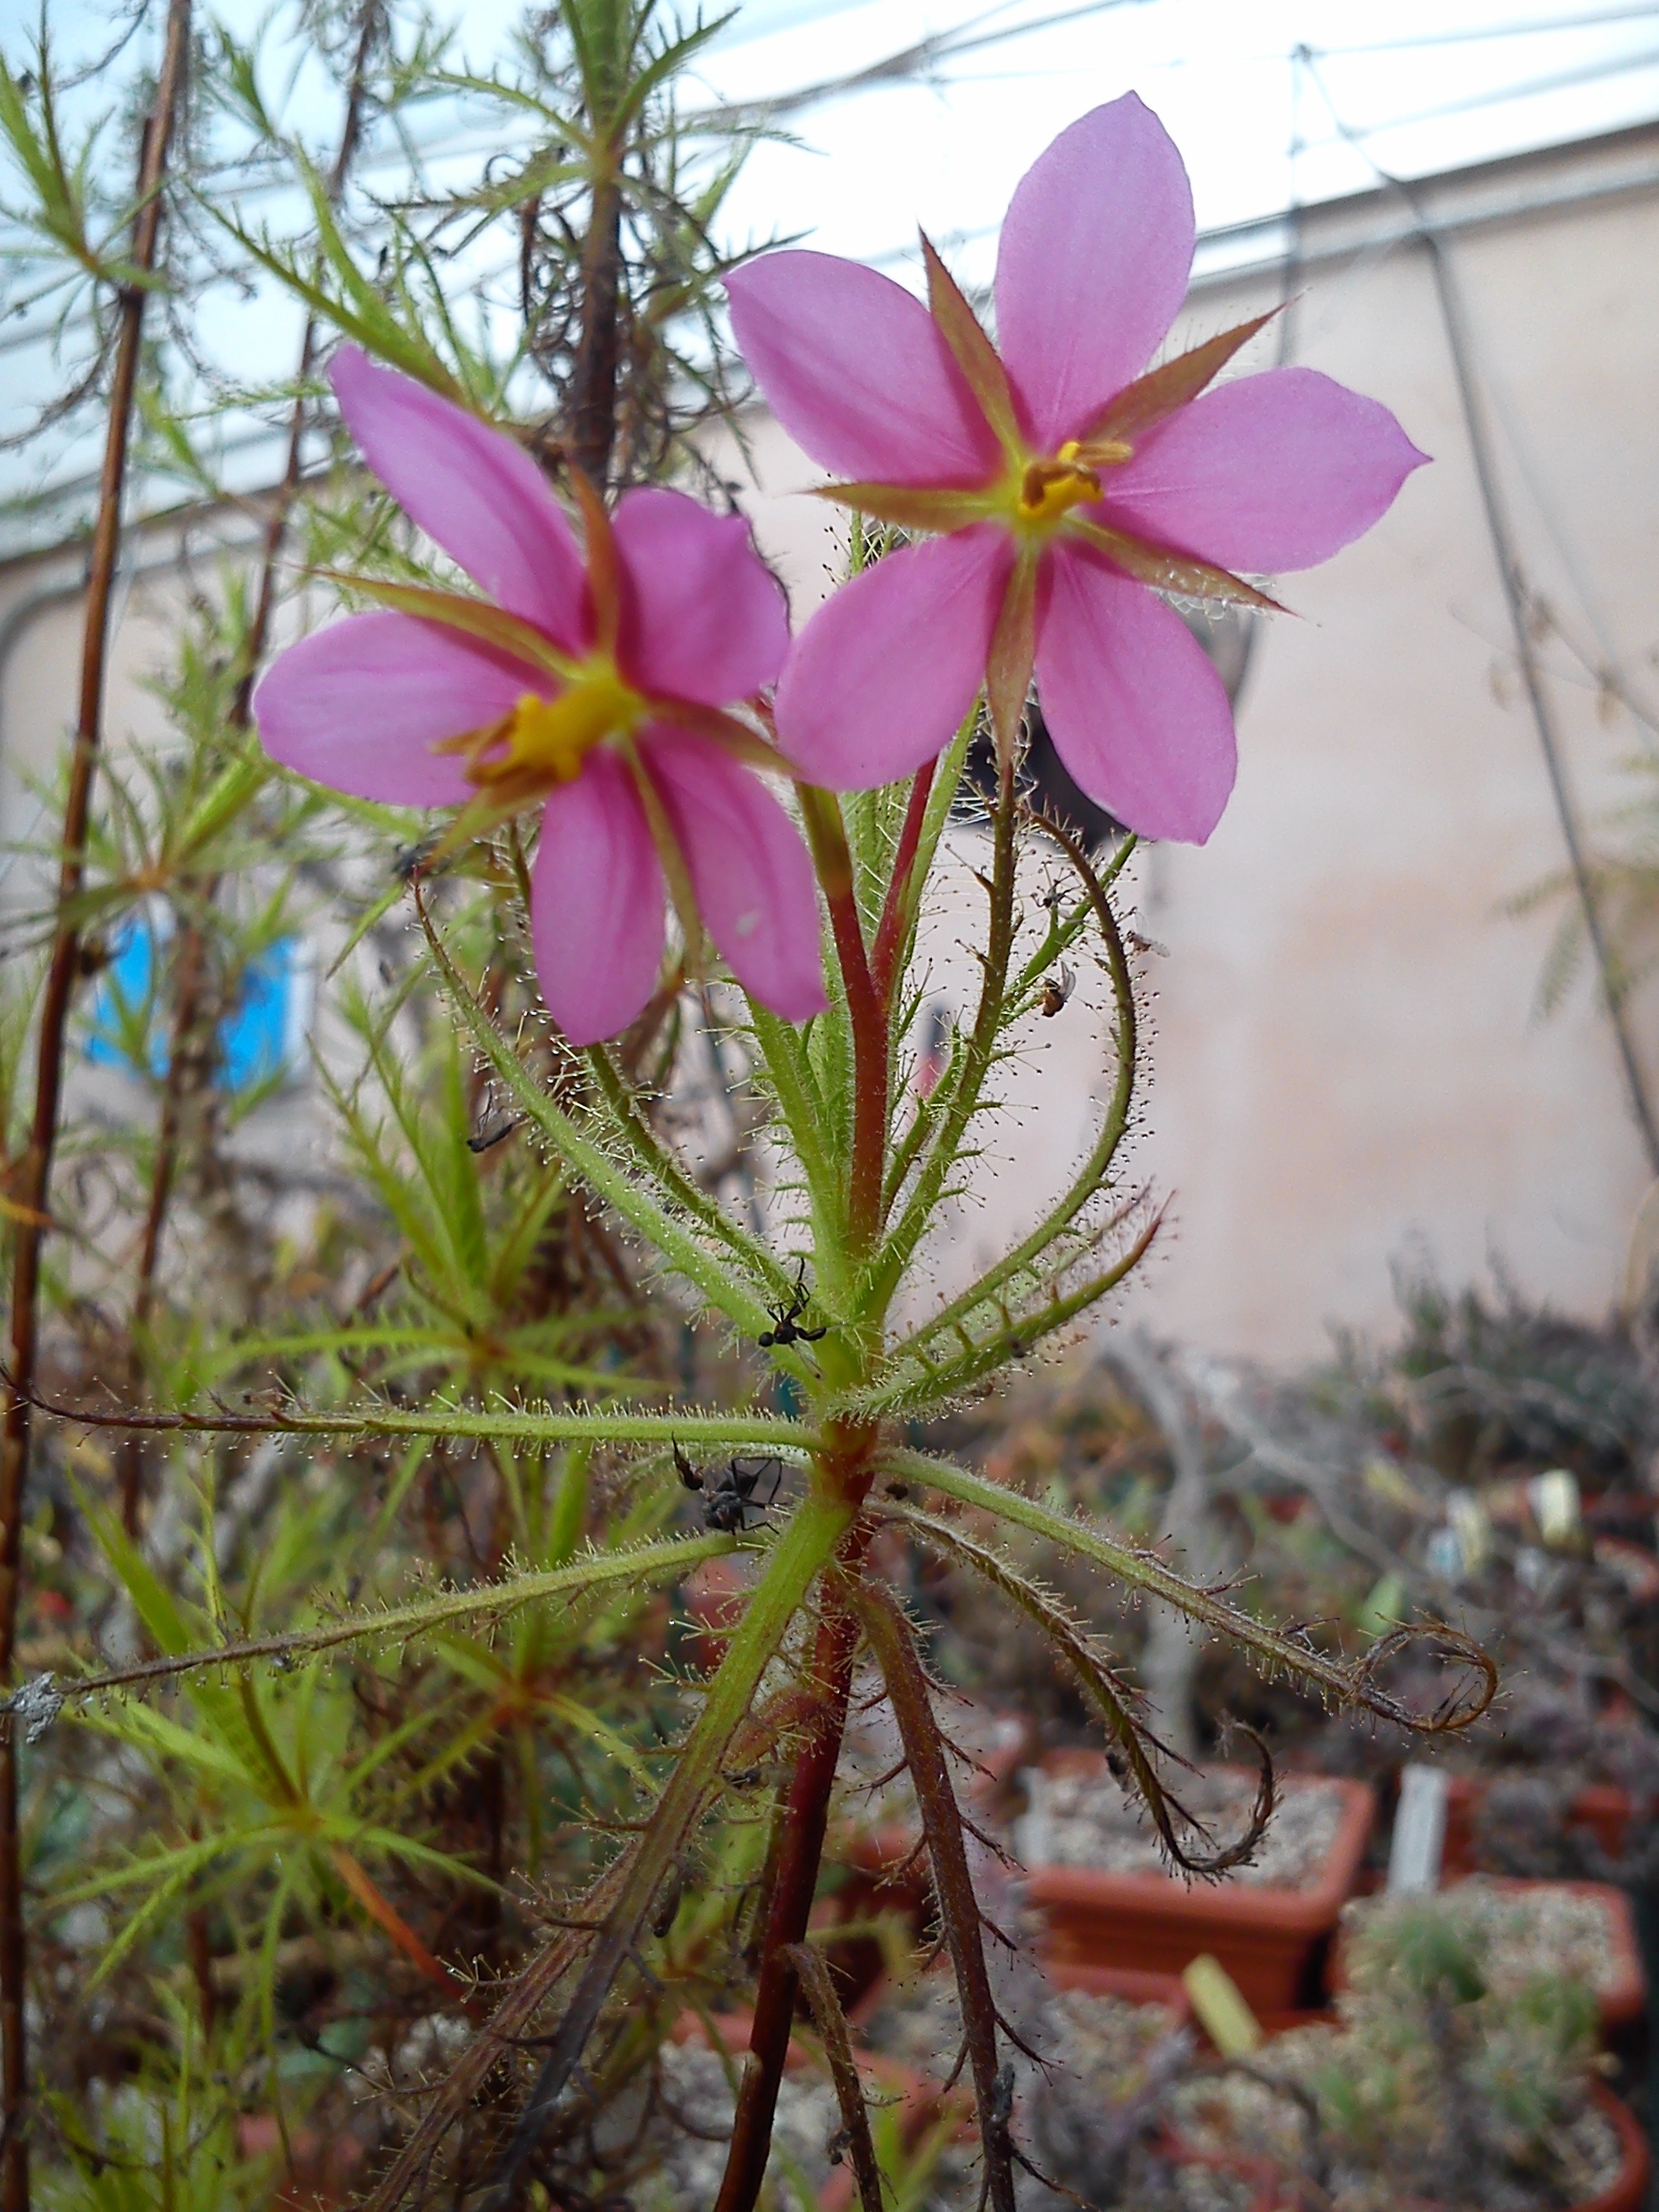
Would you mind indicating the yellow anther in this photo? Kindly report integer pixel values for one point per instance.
(547, 739)
(1048, 489)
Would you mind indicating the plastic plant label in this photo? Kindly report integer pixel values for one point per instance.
(1419, 1831)
(1220, 2008)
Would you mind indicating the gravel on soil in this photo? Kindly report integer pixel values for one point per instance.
(1547, 1930)
(1088, 1819)
(693, 2126)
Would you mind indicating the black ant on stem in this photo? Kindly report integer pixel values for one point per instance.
(786, 1327)
(732, 1497)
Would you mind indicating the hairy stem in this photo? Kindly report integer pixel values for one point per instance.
(899, 908)
(866, 1010)
(819, 1990)
(806, 1545)
(593, 380)
(33, 1188)
(893, 1642)
(941, 1157)
(795, 1883)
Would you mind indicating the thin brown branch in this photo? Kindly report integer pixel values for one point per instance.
(187, 1061)
(820, 1993)
(801, 1852)
(893, 1641)
(33, 1184)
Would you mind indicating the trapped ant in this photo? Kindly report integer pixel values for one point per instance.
(1057, 990)
(732, 1497)
(786, 1317)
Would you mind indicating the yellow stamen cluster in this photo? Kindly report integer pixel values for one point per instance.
(546, 741)
(1048, 490)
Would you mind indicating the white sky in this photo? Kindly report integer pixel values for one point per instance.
(1430, 84)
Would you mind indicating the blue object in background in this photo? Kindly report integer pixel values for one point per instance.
(262, 1037)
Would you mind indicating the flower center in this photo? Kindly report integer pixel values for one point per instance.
(546, 741)
(1047, 491)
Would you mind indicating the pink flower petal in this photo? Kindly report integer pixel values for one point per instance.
(472, 489)
(1135, 709)
(855, 368)
(359, 705)
(596, 904)
(880, 678)
(1092, 267)
(1270, 472)
(704, 619)
(750, 870)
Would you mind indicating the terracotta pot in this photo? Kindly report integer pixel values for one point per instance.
(1275, 2192)
(1140, 1988)
(1629, 2193)
(1623, 2000)
(1269, 1939)
(1602, 1809)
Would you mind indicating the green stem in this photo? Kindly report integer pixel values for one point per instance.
(866, 1011)
(398, 1623)
(662, 1224)
(899, 908)
(897, 1252)
(795, 1086)
(715, 1433)
(670, 1177)
(1274, 1650)
(805, 1547)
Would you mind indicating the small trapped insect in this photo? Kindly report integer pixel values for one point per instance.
(726, 1507)
(687, 1474)
(1057, 990)
(1137, 943)
(786, 1317)
(494, 1124)
(409, 861)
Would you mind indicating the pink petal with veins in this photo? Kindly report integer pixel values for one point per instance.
(1092, 267)
(855, 369)
(1271, 472)
(880, 678)
(703, 617)
(750, 871)
(474, 491)
(596, 904)
(1135, 709)
(358, 707)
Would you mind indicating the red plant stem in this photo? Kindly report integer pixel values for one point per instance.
(598, 364)
(795, 1882)
(34, 1183)
(897, 909)
(385, 1916)
(868, 1014)
(865, 1009)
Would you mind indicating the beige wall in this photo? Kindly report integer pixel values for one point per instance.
(1346, 1061)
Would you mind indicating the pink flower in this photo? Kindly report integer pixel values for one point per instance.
(1061, 482)
(592, 686)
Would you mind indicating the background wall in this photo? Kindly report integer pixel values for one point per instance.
(1348, 1063)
